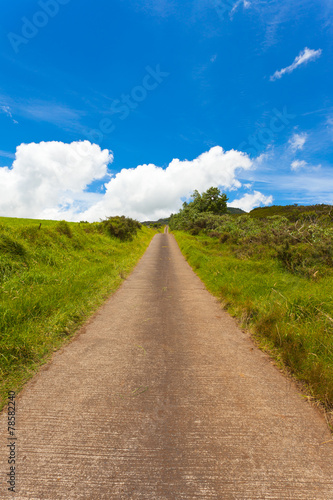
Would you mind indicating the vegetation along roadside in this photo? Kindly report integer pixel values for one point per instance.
(53, 275)
(273, 270)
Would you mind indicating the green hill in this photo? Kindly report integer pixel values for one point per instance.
(292, 212)
(235, 211)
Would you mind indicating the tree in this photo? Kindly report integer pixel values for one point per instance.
(212, 201)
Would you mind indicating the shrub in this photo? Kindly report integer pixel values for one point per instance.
(122, 227)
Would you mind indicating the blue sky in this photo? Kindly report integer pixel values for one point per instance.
(128, 106)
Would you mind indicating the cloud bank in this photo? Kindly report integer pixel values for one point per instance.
(304, 57)
(148, 191)
(49, 180)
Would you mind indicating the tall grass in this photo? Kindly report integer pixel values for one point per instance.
(288, 309)
(52, 277)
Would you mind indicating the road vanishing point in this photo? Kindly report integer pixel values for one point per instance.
(161, 396)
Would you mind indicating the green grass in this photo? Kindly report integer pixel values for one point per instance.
(14, 221)
(289, 314)
(51, 279)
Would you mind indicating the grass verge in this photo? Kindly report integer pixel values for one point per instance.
(53, 275)
(289, 315)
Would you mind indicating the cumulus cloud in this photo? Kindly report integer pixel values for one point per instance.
(151, 192)
(250, 201)
(50, 180)
(47, 180)
(304, 57)
(297, 141)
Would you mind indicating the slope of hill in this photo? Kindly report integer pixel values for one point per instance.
(236, 211)
(292, 212)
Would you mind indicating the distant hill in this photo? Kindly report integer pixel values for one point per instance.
(292, 212)
(162, 222)
(235, 211)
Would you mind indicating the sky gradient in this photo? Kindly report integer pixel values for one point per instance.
(126, 107)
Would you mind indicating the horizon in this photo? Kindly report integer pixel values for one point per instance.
(296, 205)
(126, 109)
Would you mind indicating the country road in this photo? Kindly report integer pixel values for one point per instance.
(162, 397)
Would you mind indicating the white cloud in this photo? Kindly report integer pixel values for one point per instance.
(48, 180)
(7, 111)
(250, 201)
(297, 141)
(39, 110)
(150, 192)
(304, 57)
(245, 4)
(260, 159)
(7, 154)
(297, 164)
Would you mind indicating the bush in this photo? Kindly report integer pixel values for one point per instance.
(122, 227)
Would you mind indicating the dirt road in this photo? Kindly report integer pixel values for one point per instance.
(162, 397)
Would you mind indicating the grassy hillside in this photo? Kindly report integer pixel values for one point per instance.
(52, 277)
(235, 211)
(293, 212)
(13, 221)
(276, 276)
